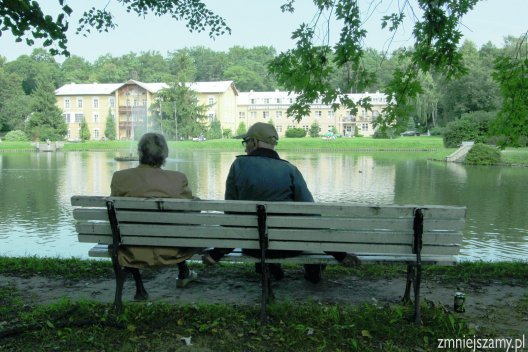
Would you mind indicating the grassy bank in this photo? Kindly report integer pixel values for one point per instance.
(415, 143)
(430, 147)
(310, 326)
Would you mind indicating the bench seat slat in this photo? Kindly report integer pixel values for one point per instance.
(101, 251)
(337, 209)
(274, 221)
(358, 248)
(286, 221)
(294, 235)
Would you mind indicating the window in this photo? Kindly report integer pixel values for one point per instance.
(210, 100)
(79, 102)
(144, 102)
(305, 127)
(331, 114)
(95, 133)
(69, 133)
(291, 100)
(241, 115)
(279, 129)
(252, 101)
(265, 114)
(364, 127)
(66, 118)
(112, 102)
(96, 118)
(318, 113)
(278, 114)
(135, 102)
(253, 114)
(128, 102)
(79, 118)
(266, 101)
(66, 103)
(95, 103)
(279, 100)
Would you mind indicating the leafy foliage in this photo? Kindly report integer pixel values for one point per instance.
(25, 19)
(295, 132)
(25, 16)
(181, 116)
(471, 127)
(314, 130)
(306, 70)
(482, 154)
(511, 72)
(84, 134)
(16, 136)
(45, 121)
(214, 131)
(241, 128)
(110, 127)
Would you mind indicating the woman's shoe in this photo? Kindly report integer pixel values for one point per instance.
(181, 283)
(350, 260)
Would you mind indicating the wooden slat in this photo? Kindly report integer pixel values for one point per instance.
(207, 232)
(90, 214)
(337, 209)
(362, 248)
(186, 218)
(101, 251)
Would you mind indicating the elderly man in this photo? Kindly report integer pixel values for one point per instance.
(262, 175)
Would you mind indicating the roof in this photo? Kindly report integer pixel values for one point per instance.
(213, 87)
(88, 89)
(284, 97)
(109, 88)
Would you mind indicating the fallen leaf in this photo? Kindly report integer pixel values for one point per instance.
(186, 341)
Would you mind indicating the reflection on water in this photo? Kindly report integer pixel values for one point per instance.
(35, 191)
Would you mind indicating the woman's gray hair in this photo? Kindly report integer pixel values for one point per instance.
(152, 149)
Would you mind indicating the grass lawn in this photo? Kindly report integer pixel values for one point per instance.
(157, 326)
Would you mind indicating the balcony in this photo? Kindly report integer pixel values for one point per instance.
(123, 109)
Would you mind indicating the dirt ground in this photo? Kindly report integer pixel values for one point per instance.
(487, 305)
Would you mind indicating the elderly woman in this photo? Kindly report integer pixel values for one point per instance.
(150, 180)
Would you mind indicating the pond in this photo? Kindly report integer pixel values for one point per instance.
(35, 191)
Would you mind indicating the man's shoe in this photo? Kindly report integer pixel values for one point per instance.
(350, 260)
(313, 272)
(181, 283)
(208, 260)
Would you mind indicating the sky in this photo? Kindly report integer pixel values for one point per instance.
(261, 22)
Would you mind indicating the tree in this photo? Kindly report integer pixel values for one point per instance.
(110, 127)
(511, 70)
(84, 134)
(241, 128)
(307, 69)
(14, 103)
(46, 120)
(181, 116)
(315, 67)
(215, 130)
(314, 130)
(26, 20)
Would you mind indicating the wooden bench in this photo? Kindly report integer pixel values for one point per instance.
(410, 234)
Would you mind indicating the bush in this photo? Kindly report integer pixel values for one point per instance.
(437, 131)
(482, 154)
(16, 136)
(473, 126)
(314, 130)
(295, 133)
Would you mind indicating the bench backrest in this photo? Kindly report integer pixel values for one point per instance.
(361, 229)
